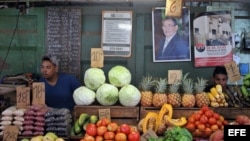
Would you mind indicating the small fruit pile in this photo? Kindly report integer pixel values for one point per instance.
(105, 129)
(204, 122)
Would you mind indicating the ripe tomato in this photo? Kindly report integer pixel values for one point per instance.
(91, 129)
(209, 113)
(203, 119)
(216, 116)
(101, 130)
(190, 126)
(204, 109)
(134, 136)
(201, 127)
(103, 122)
(197, 116)
(124, 128)
(191, 119)
(214, 127)
(112, 126)
(120, 137)
(109, 135)
(212, 121)
(99, 138)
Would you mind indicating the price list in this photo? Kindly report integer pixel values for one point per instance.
(63, 37)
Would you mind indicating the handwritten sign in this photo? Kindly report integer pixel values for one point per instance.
(63, 37)
(97, 57)
(22, 97)
(10, 133)
(104, 113)
(232, 71)
(174, 8)
(38, 93)
(174, 75)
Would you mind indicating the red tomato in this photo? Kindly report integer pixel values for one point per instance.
(112, 126)
(216, 116)
(134, 136)
(209, 113)
(99, 138)
(120, 137)
(203, 119)
(212, 121)
(101, 130)
(124, 128)
(103, 122)
(204, 109)
(197, 116)
(109, 135)
(91, 129)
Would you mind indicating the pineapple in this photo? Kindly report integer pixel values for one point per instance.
(160, 96)
(174, 97)
(188, 98)
(146, 93)
(201, 97)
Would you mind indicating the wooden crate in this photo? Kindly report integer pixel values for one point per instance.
(119, 114)
(228, 113)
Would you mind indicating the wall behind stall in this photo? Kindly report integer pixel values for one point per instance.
(28, 44)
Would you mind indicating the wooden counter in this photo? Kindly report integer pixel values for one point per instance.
(228, 113)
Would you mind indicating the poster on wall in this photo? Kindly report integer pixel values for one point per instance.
(171, 36)
(116, 33)
(213, 42)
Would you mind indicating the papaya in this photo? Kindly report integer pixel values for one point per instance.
(176, 122)
(151, 121)
(166, 109)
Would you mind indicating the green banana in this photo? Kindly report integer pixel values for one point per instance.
(246, 82)
(244, 91)
(247, 77)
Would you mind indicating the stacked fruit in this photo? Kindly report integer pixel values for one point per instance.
(217, 97)
(204, 122)
(105, 129)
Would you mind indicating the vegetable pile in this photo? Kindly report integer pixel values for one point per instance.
(175, 133)
(107, 92)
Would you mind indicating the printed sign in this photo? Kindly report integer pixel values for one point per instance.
(117, 33)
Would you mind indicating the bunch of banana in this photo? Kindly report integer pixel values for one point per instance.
(78, 128)
(245, 88)
(217, 97)
(236, 98)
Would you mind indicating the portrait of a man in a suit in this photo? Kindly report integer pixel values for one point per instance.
(173, 42)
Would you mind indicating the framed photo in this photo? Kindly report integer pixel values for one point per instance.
(171, 36)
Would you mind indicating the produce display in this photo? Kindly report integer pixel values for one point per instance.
(204, 122)
(105, 129)
(158, 99)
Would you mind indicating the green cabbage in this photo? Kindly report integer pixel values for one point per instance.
(107, 94)
(84, 96)
(119, 76)
(94, 78)
(129, 95)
